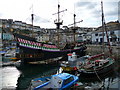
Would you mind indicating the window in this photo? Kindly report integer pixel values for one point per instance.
(59, 81)
(100, 34)
(118, 39)
(96, 40)
(112, 32)
(110, 39)
(96, 34)
(101, 40)
(68, 80)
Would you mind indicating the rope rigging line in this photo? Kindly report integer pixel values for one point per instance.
(97, 75)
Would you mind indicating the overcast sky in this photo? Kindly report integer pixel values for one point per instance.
(87, 10)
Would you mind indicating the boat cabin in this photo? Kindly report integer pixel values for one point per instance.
(57, 81)
(62, 80)
(73, 62)
(99, 63)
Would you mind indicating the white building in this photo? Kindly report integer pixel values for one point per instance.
(113, 34)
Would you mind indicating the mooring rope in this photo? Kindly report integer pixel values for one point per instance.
(99, 78)
(97, 75)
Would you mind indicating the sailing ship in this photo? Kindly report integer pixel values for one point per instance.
(90, 65)
(31, 50)
(101, 65)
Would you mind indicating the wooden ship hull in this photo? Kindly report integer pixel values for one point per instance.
(97, 72)
(30, 50)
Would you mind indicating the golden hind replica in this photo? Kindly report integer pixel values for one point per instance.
(31, 50)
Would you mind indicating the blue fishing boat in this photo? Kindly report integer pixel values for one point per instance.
(57, 81)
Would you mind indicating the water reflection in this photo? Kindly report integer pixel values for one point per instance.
(29, 72)
(107, 81)
(19, 77)
(9, 77)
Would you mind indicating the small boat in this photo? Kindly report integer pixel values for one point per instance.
(87, 65)
(104, 64)
(17, 63)
(2, 53)
(9, 54)
(96, 67)
(58, 81)
(73, 62)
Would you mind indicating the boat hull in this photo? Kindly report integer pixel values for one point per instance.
(30, 50)
(100, 71)
(31, 55)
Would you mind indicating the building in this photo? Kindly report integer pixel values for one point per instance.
(18, 25)
(7, 36)
(85, 33)
(113, 30)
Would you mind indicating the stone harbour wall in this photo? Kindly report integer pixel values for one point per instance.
(97, 49)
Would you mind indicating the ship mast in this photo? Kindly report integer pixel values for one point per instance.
(32, 19)
(104, 30)
(103, 26)
(74, 26)
(58, 22)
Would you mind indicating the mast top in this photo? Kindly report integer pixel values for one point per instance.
(58, 22)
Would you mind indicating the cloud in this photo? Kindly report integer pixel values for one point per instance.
(96, 13)
(111, 8)
(82, 4)
(38, 19)
(90, 11)
(88, 7)
(0, 14)
(87, 10)
(112, 13)
(94, 8)
(86, 4)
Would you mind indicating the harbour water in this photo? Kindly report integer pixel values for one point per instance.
(18, 78)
